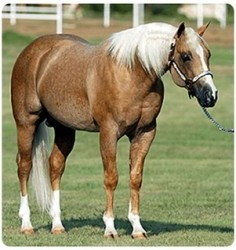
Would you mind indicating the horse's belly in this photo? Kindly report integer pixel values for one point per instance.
(75, 120)
(71, 112)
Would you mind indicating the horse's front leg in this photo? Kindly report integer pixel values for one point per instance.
(108, 144)
(139, 148)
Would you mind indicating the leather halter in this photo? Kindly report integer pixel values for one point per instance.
(188, 81)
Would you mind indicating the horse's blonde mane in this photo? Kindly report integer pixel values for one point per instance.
(150, 42)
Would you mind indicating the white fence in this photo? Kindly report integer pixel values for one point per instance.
(14, 12)
(199, 11)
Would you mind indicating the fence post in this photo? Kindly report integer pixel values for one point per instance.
(199, 15)
(59, 18)
(106, 15)
(13, 14)
(138, 14)
(223, 16)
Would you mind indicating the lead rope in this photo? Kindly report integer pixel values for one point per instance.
(220, 127)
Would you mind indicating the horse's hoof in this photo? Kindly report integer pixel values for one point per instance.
(27, 231)
(58, 230)
(139, 235)
(111, 236)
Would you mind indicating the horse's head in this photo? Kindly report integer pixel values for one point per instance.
(189, 65)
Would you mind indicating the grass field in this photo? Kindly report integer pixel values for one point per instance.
(187, 194)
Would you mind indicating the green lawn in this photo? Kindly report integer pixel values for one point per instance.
(187, 194)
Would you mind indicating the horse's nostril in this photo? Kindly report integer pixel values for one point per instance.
(209, 99)
(208, 96)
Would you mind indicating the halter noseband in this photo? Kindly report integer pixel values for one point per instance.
(188, 81)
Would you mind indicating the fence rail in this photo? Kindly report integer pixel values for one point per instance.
(198, 11)
(14, 12)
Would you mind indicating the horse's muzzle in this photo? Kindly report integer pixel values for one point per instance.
(204, 95)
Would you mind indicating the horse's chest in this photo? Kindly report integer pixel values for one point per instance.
(150, 108)
(138, 109)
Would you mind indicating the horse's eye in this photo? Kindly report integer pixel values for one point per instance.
(185, 57)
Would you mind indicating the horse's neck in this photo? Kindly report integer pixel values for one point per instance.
(150, 43)
(158, 49)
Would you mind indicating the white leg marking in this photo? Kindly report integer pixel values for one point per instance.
(135, 222)
(110, 228)
(24, 213)
(55, 211)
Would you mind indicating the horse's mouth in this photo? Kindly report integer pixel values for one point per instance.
(204, 96)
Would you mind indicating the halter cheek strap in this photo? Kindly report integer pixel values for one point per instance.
(188, 81)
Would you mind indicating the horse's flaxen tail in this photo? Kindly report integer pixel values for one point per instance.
(40, 168)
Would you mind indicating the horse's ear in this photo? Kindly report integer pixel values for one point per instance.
(202, 29)
(180, 30)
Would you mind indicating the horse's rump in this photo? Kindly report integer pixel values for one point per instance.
(54, 73)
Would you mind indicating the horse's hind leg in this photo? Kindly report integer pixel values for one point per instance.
(63, 144)
(25, 135)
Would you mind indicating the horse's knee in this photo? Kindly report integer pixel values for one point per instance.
(135, 180)
(111, 180)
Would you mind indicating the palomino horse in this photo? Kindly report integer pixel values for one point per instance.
(114, 88)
